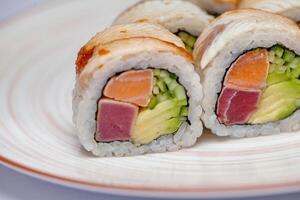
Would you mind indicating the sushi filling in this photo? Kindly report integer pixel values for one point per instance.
(188, 40)
(261, 86)
(140, 106)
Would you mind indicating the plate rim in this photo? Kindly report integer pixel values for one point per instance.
(134, 191)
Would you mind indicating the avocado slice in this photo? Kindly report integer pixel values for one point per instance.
(142, 126)
(164, 119)
(162, 128)
(278, 102)
(274, 78)
(159, 109)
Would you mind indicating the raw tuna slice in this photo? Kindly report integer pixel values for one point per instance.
(115, 120)
(133, 86)
(236, 106)
(250, 71)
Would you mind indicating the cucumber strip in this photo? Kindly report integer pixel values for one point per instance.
(172, 85)
(278, 50)
(154, 80)
(164, 74)
(295, 73)
(288, 56)
(295, 63)
(281, 69)
(278, 61)
(183, 102)
(271, 56)
(173, 76)
(183, 119)
(272, 68)
(162, 86)
(191, 41)
(190, 49)
(153, 102)
(167, 80)
(183, 36)
(164, 97)
(155, 90)
(156, 72)
(184, 111)
(180, 93)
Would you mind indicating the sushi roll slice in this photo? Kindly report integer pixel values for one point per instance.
(288, 8)
(249, 62)
(182, 18)
(217, 7)
(136, 92)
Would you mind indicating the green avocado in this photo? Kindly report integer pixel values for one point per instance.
(188, 39)
(274, 78)
(162, 128)
(159, 109)
(278, 102)
(165, 118)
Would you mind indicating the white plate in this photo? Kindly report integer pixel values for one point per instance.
(37, 137)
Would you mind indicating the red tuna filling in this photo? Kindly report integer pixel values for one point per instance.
(115, 120)
(236, 106)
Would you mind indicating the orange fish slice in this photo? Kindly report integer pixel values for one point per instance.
(133, 86)
(250, 71)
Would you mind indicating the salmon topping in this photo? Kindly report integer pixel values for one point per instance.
(133, 86)
(250, 71)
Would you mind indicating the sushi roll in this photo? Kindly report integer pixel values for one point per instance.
(217, 7)
(288, 8)
(249, 62)
(136, 92)
(182, 18)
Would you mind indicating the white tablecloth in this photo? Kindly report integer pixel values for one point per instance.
(16, 186)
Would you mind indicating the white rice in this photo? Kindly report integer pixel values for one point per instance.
(85, 105)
